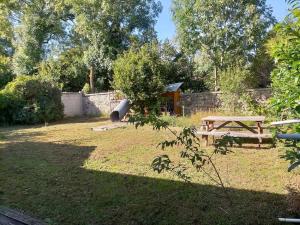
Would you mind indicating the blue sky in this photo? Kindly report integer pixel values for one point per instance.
(166, 28)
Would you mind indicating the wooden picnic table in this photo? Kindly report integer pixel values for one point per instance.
(214, 123)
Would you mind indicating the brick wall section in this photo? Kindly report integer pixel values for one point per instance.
(205, 101)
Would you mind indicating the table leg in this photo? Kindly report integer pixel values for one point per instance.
(259, 131)
(211, 127)
(205, 137)
(260, 128)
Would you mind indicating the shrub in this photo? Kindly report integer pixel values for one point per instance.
(139, 75)
(30, 100)
(234, 83)
(86, 89)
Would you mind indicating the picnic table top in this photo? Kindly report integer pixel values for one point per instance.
(235, 118)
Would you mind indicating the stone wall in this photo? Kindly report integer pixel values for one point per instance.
(99, 103)
(205, 101)
(79, 104)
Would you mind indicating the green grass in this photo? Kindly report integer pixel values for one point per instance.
(67, 174)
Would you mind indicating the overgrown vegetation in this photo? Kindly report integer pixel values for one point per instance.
(30, 100)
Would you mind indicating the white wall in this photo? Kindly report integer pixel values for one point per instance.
(72, 104)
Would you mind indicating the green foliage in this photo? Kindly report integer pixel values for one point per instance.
(234, 83)
(262, 67)
(292, 154)
(177, 65)
(30, 100)
(107, 28)
(68, 70)
(6, 49)
(203, 67)
(41, 23)
(225, 31)
(86, 89)
(285, 49)
(5, 71)
(139, 74)
(290, 146)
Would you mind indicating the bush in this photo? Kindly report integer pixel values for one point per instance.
(139, 75)
(30, 100)
(86, 89)
(234, 83)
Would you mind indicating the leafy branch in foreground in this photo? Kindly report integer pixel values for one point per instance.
(290, 146)
(292, 154)
(191, 150)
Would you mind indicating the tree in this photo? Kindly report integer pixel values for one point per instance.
(224, 30)
(37, 25)
(107, 28)
(139, 75)
(6, 48)
(68, 70)
(285, 49)
(178, 66)
(261, 68)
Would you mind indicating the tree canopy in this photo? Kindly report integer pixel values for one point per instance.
(225, 31)
(36, 31)
(107, 28)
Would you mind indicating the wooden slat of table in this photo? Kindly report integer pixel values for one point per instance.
(233, 134)
(235, 118)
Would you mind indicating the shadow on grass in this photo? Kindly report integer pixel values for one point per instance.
(49, 182)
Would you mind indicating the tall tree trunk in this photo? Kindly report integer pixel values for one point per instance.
(92, 78)
(216, 78)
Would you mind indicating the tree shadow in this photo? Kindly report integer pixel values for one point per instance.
(49, 181)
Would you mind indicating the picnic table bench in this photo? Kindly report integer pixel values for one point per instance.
(211, 126)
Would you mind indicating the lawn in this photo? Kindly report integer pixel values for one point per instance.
(67, 174)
